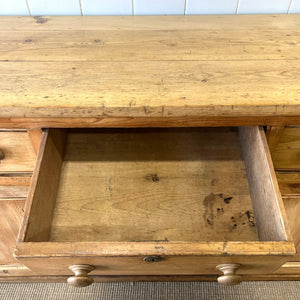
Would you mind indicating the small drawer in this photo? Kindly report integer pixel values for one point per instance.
(16, 152)
(193, 197)
(17, 160)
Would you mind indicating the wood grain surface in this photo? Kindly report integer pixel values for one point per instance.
(289, 268)
(13, 192)
(43, 188)
(170, 265)
(196, 66)
(292, 207)
(289, 184)
(149, 88)
(15, 179)
(18, 152)
(11, 212)
(153, 185)
(286, 155)
(133, 122)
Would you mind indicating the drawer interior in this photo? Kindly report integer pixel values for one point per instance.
(156, 185)
(153, 185)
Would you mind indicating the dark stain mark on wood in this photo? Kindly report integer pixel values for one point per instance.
(152, 177)
(1, 155)
(98, 41)
(239, 219)
(172, 44)
(227, 200)
(28, 41)
(294, 185)
(210, 222)
(40, 20)
(220, 209)
(204, 80)
(250, 217)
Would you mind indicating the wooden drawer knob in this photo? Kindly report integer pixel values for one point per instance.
(229, 277)
(81, 278)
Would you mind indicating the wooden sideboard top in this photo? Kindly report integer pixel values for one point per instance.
(95, 68)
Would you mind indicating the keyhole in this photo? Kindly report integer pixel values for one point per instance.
(153, 258)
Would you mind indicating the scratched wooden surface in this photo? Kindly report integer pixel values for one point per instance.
(173, 185)
(154, 66)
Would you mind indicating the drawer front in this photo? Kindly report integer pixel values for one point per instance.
(16, 152)
(17, 159)
(169, 265)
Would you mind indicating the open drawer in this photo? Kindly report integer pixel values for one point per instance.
(154, 202)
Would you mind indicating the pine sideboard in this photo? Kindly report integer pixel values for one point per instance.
(150, 148)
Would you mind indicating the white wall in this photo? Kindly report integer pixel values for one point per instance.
(146, 7)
